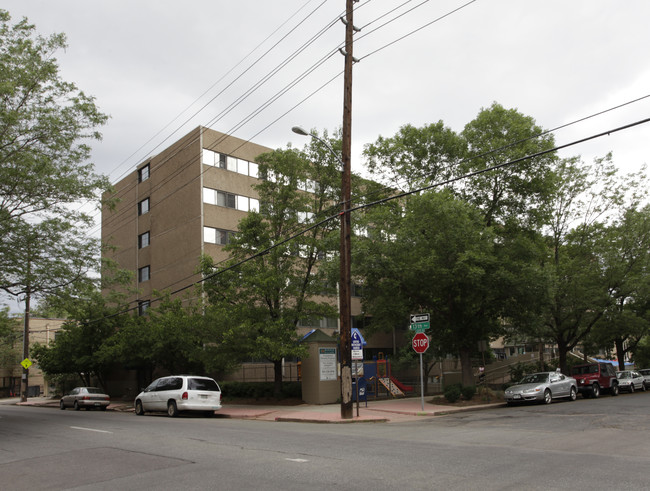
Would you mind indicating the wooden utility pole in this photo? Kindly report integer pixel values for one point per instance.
(24, 384)
(345, 245)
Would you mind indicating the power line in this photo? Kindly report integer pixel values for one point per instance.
(394, 197)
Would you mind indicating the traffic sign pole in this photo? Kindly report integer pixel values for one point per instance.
(421, 382)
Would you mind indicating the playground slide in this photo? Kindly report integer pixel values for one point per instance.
(400, 385)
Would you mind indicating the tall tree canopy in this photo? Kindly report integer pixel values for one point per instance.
(256, 306)
(440, 258)
(45, 126)
(595, 249)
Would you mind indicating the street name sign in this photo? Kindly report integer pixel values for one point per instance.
(416, 318)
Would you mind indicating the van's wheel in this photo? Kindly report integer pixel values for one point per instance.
(139, 410)
(172, 410)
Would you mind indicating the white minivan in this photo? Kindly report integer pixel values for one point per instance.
(178, 393)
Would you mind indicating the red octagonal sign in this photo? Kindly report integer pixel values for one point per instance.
(420, 342)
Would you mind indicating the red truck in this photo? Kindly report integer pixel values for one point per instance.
(593, 378)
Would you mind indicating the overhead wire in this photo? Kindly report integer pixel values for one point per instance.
(286, 89)
(369, 54)
(391, 198)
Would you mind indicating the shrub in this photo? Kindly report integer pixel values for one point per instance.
(259, 390)
(468, 392)
(452, 393)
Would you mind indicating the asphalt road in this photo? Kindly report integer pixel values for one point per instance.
(587, 444)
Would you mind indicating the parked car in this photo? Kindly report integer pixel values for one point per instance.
(542, 387)
(593, 378)
(630, 380)
(86, 397)
(646, 375)
(178, 393)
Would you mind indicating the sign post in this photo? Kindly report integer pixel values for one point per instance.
(356, 345)
(420, 345)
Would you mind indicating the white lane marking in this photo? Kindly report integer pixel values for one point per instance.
(300, 461)
(89, 429)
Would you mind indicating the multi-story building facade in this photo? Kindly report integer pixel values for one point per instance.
(185, 202)
(41, 331)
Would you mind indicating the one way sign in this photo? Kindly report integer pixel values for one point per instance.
(417, 318)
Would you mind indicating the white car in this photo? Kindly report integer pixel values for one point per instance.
(630, 380)
(178, 393)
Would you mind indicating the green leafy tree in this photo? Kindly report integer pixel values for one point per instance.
(584, 270)
(439, 259)
(11, 337)
(626, 322)
(169, 337)
(415, 157)
(44, 125)
(514, 192)
(76, 348)
(92, 320)
(270, 283)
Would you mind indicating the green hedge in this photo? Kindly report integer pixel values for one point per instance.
(259, 390)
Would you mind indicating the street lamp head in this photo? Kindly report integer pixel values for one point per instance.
(299, 131)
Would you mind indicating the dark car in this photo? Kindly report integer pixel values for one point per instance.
(593, 378)
(86, 397)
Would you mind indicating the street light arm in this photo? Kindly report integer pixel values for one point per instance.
(300, 131)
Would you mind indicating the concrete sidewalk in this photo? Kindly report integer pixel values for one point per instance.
(378, 411)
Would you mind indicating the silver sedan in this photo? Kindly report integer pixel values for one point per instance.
(630, 380)
(86, 397)
(542, 387)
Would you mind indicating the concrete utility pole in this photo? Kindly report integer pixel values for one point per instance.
(345, 245)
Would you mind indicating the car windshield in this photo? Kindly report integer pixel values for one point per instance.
(623, 374)
(94, 390)
(535, 378)
(202, 384)
(644, 372)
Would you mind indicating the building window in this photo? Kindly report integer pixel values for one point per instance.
(144, 274)
(228, 162)
(143, 240)
(208, 157)
(322, 323)
(217, 236)
(143, 173)
(143, 206)
(143, 306)
(229, 200)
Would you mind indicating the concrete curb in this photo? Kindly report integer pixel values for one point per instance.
(391, 410)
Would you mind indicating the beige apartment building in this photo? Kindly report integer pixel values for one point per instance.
(185, 202)
(41, 331)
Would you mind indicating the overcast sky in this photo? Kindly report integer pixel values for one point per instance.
(160, 68)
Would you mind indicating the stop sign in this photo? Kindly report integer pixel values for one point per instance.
(420, 342)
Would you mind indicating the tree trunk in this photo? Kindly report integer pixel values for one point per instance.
(562, 356)
(620, 353)
(541, 356)
(466, 367)
(277, 379)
